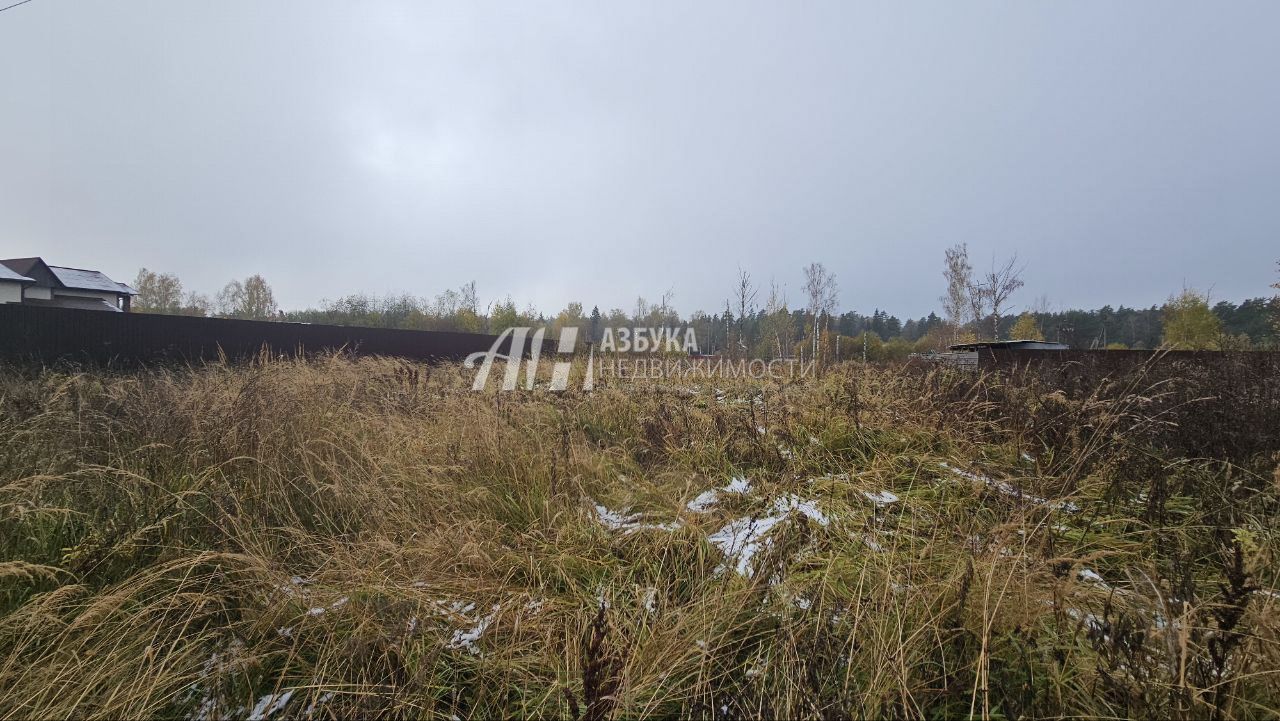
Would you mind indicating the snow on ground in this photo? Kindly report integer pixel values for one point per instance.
(742, 538)
(882, 498)
(466, 637)
(1009, 489)
(1091, 576)
(707, 499)
(620, 521)
(269, 704)
(650, 600)
(320, 610)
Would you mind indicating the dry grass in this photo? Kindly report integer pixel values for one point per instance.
(367, 537)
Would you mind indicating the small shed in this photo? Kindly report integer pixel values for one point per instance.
(1009, 345)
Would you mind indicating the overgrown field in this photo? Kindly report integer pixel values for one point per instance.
(338, 537)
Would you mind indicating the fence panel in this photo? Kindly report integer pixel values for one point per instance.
(49, 334)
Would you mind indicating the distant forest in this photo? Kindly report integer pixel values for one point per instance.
(758, 322)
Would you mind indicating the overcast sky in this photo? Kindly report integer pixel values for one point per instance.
(597, 151)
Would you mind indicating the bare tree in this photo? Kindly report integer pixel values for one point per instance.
(777, 322)
(447, 303)
(959, 302)
(745, 293)
(157, 292)
(666, 307)
(197, 304)
(998, 285)
(251, 299)
(820, 286)
(642, 310)
(1041, 305)
(467, 298)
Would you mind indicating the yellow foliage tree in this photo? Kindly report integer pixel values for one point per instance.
(1026, 328)
(1189, 323)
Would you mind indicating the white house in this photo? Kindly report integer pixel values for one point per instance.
(31, 281)
(12, 284)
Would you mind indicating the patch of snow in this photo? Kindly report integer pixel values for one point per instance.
(319, 610)
(703, 502)
(882, 498)
(1013, 491)
(269, 704)
(742, 538)
(790, 502)
(295, 587)
(456, 608)
(707, 499)
(1091, 576)
(205, 710)
(466, 638)
(1095, 626)
(325, 698)
(629, 524)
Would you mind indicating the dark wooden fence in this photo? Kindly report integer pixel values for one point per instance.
(41, 334)
(1210, 404)
(1261, 363)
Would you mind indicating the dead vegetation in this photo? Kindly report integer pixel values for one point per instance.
(338, 537)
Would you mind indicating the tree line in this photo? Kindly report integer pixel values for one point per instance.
(761, 322)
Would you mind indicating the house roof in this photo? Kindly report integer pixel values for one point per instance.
(88, 280)
(22, 266)
(7, 274)
(71, 278)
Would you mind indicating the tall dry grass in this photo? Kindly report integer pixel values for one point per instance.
(338, 537)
